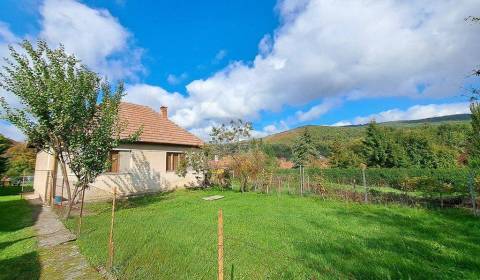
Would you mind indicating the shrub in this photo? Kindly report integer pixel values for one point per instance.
(398, 178)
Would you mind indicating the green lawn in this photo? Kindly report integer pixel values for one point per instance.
(173, 236)
(18, 255)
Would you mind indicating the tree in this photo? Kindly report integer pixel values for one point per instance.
(303, 149)
(226, 141)
(67, 110)
(198, 161)
(5, 144)
(374, 146)
(21, 160)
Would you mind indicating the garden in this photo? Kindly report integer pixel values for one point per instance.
(280, 236)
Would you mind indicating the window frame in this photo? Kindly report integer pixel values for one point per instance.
(170, 164)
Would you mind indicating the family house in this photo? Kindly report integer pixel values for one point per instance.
(146, 166)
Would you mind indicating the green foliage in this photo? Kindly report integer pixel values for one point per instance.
(303, 149)
(457, 178)
(5, 144)
(277, 150)
(21, 160)
(67, 109)
(474, 139)
(196, 160)
(344, 157)
(442, 141)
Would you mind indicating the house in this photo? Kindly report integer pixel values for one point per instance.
(146, 166)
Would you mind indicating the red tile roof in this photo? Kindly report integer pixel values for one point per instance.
(156, 128)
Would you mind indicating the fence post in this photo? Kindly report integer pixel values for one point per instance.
(111, 249)
(365, 182)
(220, 244)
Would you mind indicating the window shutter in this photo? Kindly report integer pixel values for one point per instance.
(114, 161)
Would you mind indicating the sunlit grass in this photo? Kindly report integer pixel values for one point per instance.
(173, 236)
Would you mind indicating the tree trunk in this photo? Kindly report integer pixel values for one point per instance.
(72, 202)
(67, 185)
(81, 212)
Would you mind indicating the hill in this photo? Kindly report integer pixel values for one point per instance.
(330, 134)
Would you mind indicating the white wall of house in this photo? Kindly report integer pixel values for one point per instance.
(142, 169)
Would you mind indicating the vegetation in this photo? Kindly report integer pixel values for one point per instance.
(303, 149)
(18, 245)
(442, 140)
(68, 110)
(21, 160)
(281, 237)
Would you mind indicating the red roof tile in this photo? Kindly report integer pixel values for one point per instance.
(156, 128)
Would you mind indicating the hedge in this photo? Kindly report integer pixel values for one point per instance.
(391, 177)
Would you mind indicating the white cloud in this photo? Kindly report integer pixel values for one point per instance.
(413, 113)
(221, 54)
(175, 80)
(342, 123)
(154, 97)
(93, 35)
(332, 50)
(316, 111)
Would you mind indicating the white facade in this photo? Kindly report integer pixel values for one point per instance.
(142, 169)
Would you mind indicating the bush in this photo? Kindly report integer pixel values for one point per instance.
(398, 178)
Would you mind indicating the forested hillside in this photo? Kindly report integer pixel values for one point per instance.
(443, 138)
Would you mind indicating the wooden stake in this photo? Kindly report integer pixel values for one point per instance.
(365, 183)
(220, 244)
(111, 249)
(47, 183)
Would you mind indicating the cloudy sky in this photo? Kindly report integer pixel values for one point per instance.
(279, 64)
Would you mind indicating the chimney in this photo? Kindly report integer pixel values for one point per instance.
(164, 112)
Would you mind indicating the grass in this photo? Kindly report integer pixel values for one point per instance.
(173, 236)
(18, 256)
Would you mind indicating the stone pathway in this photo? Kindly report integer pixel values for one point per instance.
(60, 258)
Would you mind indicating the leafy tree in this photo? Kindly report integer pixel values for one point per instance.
(420, 151)
(21, 160)
(277, 150)
(303, 149)
(226, 141)
(198, 162)
(67, 110)
(5, 144)
(344, 157)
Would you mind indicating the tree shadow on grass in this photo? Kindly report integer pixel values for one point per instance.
(142, 200)
(26, 266)
(17, 214)
(442, 245)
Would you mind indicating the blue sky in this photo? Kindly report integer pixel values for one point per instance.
(279, 64)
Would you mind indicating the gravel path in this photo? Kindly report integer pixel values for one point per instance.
(59, 257)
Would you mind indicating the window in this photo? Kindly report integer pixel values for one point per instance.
(115, 162)
(173, 159)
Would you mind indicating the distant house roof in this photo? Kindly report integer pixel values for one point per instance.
(157, 128)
